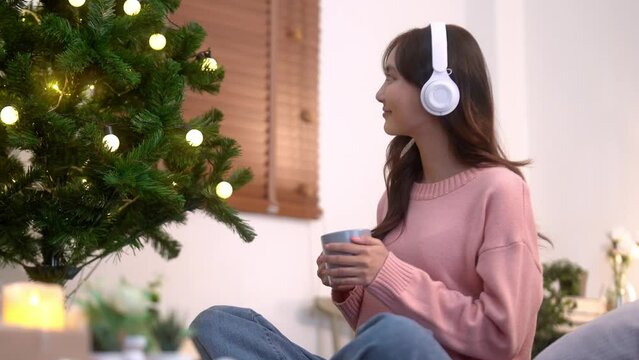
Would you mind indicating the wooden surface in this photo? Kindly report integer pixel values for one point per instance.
(587, 310)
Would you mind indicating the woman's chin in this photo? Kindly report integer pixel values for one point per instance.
(388, 129)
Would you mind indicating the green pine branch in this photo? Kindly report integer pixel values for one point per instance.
(227, 215)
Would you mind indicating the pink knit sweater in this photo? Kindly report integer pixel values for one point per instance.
(465, 266)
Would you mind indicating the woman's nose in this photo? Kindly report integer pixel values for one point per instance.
(379, 96)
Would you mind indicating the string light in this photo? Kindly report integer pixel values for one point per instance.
(86, 95)
(88, 92)
(55, 87)
(131, 7)
(110, 141)
(208, 62)
(9, 115)
(77, 3)
(157, 41)
(224, 190)
(194, 137)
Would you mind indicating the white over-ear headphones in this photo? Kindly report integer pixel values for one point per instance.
(440, 94)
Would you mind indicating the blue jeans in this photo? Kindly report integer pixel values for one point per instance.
(243, 334)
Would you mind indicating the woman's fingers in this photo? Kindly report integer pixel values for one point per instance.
(321, 273)
(348, 248)
(356, 246)
(344, 271)
(344, 281)
(322, 269)
(355, 263)
(346, 276)
(366, 240)
(343, 260)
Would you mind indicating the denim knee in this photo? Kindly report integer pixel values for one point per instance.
(215, 317)
(215, 330)
(387, 322)
(241, 333)
(394, 332)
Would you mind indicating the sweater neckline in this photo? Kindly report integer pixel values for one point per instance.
(429, 191)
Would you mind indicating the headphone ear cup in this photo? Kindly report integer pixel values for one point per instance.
(440, 94)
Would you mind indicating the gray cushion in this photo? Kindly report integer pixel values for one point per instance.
(614, 335)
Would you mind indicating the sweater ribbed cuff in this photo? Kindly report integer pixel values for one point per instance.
(392, 279)
(350, 306)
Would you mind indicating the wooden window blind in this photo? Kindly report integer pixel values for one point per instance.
(269, 50)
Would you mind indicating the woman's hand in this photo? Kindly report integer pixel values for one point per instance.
(322, 273)
(363, 259)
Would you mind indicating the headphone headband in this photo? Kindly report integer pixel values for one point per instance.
(439, 46)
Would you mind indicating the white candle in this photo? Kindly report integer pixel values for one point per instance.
(33, 305)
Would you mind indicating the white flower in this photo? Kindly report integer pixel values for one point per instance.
(625, 244)
(620, 234)
(130, 300)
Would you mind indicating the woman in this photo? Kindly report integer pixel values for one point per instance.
(452, 269)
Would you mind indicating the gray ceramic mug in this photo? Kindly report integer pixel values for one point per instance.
(343, 236)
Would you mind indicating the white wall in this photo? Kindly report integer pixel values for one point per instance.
(583, 92)
(547, 79)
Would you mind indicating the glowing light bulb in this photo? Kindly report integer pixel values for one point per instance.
(157, 41)
(224, 190)
(55, 87)
(77, 3)
(9, 115)
(131, 7)
(209, 64)
(111, 142)
(194, 137)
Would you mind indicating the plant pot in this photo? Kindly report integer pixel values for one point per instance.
(166, 355)
(58, 274)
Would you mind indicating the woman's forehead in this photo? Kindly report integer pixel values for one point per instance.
(389, 62)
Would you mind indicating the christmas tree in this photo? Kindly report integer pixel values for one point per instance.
(95, 156)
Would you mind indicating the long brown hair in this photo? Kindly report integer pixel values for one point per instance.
(470, 127)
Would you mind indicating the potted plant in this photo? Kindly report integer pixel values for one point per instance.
(562, 280)
(119, 317)
(168, 332)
